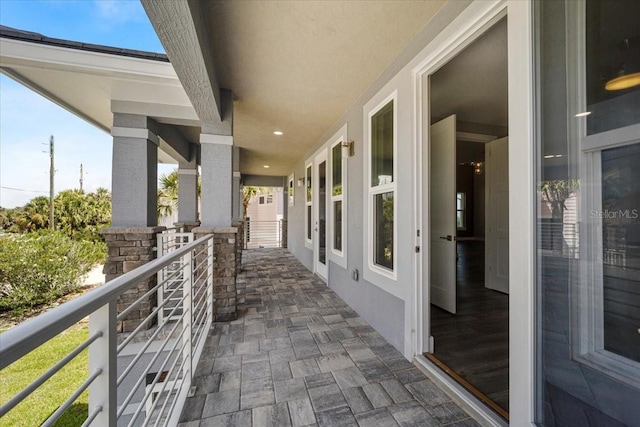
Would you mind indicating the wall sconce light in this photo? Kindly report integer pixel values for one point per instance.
(300, 182)
(347, 148)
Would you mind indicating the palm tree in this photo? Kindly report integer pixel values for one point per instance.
(168, 194)
(248, 193)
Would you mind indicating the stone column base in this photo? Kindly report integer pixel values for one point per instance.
(284, 233)
(239, 244)
(224, 270)
(130, 248)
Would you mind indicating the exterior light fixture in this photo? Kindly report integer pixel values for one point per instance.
(583, 114)
(628, 74)
(347, 148)
(300, 182)
(266, 166)
(277, 132)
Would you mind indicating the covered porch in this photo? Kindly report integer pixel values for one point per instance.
(298, 355)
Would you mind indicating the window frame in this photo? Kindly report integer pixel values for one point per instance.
(588, 292)
(463, 199)
(291, 190)
(372, 191)
(308, 203)
(338, 256)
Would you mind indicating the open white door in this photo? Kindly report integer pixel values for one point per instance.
(442, 206)
(496, 271)
(320, 215)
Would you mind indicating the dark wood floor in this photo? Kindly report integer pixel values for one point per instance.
(475, 341)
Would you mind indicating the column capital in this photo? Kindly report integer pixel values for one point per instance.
(125, 132)
(206, 138)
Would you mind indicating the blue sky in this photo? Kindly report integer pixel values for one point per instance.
(27, 119)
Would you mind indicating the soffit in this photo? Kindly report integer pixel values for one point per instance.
(298, 66)
(89, 84)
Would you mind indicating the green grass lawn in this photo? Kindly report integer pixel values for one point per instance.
(44, 401)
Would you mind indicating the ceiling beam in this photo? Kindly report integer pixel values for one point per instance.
(181, 28)
(179, 148)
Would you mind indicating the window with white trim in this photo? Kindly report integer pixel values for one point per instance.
(291, 190)
(308, 203)
(461, 211)
(605, 122)
(382, 187)
(337, 198)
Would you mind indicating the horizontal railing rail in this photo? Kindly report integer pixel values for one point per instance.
(263, 234)
(140, 377)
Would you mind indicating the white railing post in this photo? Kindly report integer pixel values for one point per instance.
(102, 356)
(187, 315)
(209, 281)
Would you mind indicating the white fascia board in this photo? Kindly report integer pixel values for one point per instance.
(17, 52)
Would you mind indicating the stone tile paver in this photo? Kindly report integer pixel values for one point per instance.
(299, 356)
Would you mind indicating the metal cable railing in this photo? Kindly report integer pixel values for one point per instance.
(140, 377)
(263, 234)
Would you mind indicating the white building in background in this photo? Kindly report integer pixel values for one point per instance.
(263, 223)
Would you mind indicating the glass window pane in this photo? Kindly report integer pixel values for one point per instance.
(382, 146)
(309, 184)
(621, 246)
(383, 230)
(322, 212)
(308, 222)
(337, 225)
(613, 64)
(336, 164)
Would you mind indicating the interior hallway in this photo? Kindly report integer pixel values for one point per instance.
(299, 356)
(475, 341)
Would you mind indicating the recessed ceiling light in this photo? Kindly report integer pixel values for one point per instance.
(277, 133)
(549, 156)
(585, 113)
(266, 166)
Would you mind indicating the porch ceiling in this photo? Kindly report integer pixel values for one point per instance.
(297, 66)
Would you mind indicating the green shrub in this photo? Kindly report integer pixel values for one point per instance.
(37, 268)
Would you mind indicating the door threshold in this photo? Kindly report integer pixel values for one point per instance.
(468, 386)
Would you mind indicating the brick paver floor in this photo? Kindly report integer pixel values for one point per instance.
(299, 356)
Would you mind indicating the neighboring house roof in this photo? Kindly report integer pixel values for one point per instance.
(16, 34)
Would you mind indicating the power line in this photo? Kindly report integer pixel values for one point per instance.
(22, 189)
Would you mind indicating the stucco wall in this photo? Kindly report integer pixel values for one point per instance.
(387, 305)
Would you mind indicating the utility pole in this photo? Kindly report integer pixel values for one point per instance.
(81, 175)
(52, 172)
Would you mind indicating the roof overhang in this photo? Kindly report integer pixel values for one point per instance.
(94, 85)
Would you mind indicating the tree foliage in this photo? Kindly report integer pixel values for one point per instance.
(168, 193)
(78, 214)
(248, 193)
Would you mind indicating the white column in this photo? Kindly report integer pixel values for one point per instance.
(134, 174)
(187, 192)
(216, 159)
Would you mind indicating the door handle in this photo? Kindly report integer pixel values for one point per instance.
(449, 238)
